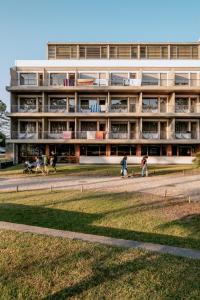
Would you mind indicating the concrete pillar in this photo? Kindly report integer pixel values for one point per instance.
(138, 150)
(76, 102)
(47, 150)
(108, 150)
(77, 150)
(140, 103)
(169, 150)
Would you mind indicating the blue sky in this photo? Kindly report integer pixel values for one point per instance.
(26, 26)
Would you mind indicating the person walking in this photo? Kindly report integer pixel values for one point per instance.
(45, 164)
(144, 171)
(124, 168)
(53, 160)
(38, 165)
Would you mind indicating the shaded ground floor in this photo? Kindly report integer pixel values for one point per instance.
(107, 153)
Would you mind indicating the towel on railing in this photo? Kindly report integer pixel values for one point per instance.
(91, 135)
(99, 135)
(67, 135)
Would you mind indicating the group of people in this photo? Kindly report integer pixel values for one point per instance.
(124, 167)
(43, 165)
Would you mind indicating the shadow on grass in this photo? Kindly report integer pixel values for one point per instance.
(83, 222)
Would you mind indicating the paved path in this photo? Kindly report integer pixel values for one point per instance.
(178, 185)
(177, 251)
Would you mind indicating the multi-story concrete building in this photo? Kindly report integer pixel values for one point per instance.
(94, 102)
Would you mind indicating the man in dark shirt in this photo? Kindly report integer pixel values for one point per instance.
(53, 160)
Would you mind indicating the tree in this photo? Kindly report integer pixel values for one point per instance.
(196, 161)
(2, 107)
(2, 139)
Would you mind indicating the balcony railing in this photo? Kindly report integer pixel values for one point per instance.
(105, 82)
(113, 108)
(68, 135)
(104, 135)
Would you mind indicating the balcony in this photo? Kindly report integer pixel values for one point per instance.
(71, 135)
(185, 135)
(153, 135)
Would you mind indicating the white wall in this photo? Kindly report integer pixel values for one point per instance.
(136, 159)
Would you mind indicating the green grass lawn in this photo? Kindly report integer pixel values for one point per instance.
(101, 170)
(127, 215)
(37, 267)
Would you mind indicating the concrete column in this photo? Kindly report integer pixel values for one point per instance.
(140, 103)
(77, 150)
(108, 128)
(76, 102)
(75, 128)
(129, 131)
(47, 150)
(138, 150)
(171, 107)
(169, 150)
(108, 150)
(108, 102)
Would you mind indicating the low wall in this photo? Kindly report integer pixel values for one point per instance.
(168, 160)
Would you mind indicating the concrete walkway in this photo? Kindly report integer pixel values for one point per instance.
(173, 185)
(176, 251)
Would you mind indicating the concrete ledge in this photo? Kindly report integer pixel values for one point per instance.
(177, 251)
(165, 160)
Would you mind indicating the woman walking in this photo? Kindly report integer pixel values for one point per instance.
(144, 171)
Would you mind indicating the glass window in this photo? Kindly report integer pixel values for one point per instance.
(185, 150)
(29, 127)
(57, 104)
(181, 126)
(28, 79)
(150, 79)
(182, 79)
(58, 126)
(150, 104)
(120, 150)
(71, 105)
(27, 104)
(58, 79)
(148, 126)
(143, 51)
(151, 150)
(93, 150)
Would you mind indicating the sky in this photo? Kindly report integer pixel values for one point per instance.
(26, 26)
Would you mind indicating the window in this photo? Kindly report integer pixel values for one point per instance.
(66, 51)
(150, 79)
(134, 52)
(93, 52)
(93, 150)
(181, 126)
(120, 52)
(57, 104)
(150, 105)
(182, 79)
(121, 150)
(58, 126)
(181, 104)
(143, 52)
(28, 79)
(151, 150)
(148, 126)
(26, 126)
(185, 150)
(27, 104)
(184, 51)
(119, 104)
(119, 79)
(29, 151)
(58, 79)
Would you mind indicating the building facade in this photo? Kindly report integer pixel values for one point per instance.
(91, 103)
